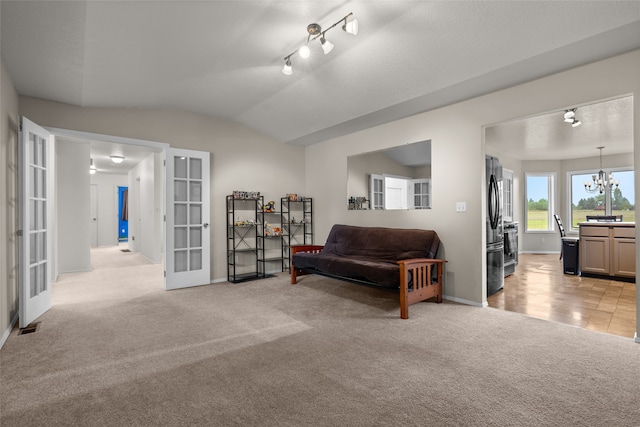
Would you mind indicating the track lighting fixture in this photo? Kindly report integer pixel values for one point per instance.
(570, 117)
(315, 32)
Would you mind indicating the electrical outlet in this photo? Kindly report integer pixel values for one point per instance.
(461, 206)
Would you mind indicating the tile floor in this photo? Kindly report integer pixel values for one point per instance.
(540, 289)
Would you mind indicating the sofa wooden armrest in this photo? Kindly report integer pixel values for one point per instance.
(301, 248)
(417, 272)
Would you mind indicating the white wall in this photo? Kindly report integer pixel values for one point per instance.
(458, 161)
(9, 120)
(107, 200)
(145, 210)
(73, 207)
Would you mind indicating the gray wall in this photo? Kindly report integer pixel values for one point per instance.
(8, 204)
(458, 161)
(240, 158)
(73, 213)
(145, 208)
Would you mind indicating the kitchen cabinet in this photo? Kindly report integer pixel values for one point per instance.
(608, 249)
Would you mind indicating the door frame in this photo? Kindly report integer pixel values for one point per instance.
(158, 146)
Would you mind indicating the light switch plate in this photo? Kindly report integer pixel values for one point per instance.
(461, 206)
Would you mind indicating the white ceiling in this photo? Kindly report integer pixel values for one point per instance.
(224, 58)
(547, 137)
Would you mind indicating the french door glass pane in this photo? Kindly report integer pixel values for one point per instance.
(180, 211)
(195, 237)
(195, 212)
(195, 191)
(180, 194)
(180, 167)
(195, 259)
(195, 171)
(180, 261)
(180, 237)
(33, 281)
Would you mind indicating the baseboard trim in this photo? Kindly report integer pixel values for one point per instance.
(464, 301)
(540, 252)
(5, 335)
(636, 338)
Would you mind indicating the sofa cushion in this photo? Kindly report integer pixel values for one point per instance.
(371, 270)
(388, 244)
(369, 254)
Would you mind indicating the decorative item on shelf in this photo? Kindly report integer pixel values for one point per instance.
(293, 220)
(292, 197)
(269, 207)
(246, 195)
(358, 203)
(239, 222)
(272, 231)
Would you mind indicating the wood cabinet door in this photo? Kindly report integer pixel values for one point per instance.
(623, 257)
(595, 255)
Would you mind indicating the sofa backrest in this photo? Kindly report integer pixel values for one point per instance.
(390, 244)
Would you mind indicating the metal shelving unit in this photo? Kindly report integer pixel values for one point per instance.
(297, 226)
(243, 247)
(269, 241)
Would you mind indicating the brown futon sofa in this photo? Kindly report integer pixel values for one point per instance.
(391, 258)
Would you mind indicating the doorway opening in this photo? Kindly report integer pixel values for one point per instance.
(123, 214)
(547, 144)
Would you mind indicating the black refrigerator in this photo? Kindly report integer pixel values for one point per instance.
(495, 235)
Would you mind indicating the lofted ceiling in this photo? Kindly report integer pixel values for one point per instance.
(224, 58)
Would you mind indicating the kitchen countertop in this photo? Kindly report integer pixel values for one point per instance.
(607, 224)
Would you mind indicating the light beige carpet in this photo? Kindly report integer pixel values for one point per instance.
(117, 350)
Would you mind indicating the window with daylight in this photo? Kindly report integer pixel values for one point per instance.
(539, 190)
(617, 201)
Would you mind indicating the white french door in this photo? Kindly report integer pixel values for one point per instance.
(36, 162)
(187, 256)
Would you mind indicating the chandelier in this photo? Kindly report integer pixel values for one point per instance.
(601, 182)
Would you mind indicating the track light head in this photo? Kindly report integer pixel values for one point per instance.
(304, 51)
(569, 114)
(576, 123)
(327, 46)
(287, 69)
(350, 27)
